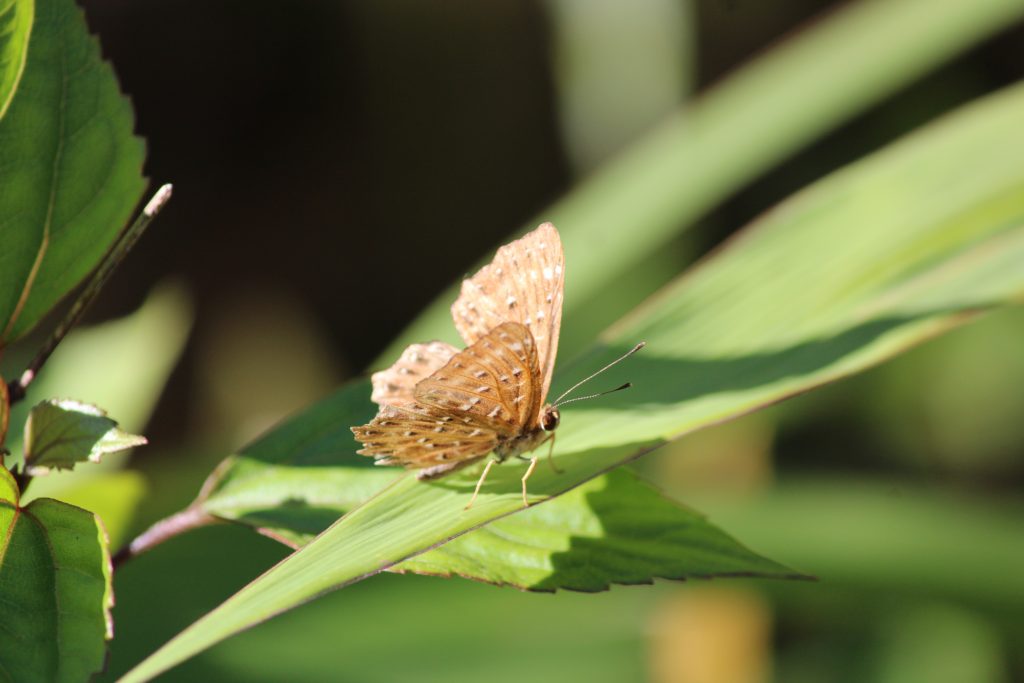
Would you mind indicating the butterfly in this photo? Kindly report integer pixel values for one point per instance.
(442, 409)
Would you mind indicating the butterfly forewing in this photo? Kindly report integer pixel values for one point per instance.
(523, 284)
(496, 380)
(419, 361)
(418, 436)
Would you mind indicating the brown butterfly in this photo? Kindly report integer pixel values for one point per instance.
(442, 409)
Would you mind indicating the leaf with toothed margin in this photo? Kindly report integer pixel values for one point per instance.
(55, 589)
(613, 529)
(60, 433)
(70, 163)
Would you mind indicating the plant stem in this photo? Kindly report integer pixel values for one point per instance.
(22, 479)
(190, 518)
(124, 243)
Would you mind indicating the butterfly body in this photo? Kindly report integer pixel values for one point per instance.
(530, 439)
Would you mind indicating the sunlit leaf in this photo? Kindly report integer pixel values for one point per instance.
(61, 433)
(612, 529)
(54, 587)
(71, 167)
(15, 26)
(882, 255)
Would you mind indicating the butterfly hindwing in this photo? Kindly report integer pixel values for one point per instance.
(419, 361)
(523, 284)
(417, 436)
(495, 380)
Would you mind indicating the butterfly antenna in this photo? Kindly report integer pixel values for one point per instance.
(627, 385)
(587, 379)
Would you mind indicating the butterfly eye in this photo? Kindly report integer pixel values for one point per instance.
(550, 419)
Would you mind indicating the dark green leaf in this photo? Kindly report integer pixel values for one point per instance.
(55, 589)
(71, 168)
(61, 433)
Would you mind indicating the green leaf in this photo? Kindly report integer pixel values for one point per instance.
(884, 254)
(15, 25)
(71, 168)
(612, 529)
(616, 220)
(294, 482)
(60, 433)
(55, 588)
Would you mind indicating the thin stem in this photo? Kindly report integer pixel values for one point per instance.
(190, 518)
(22, 479)
(121, 247)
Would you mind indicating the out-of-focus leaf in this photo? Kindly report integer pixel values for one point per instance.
(113, 498)
(60, 433)
(71, 167)
(597, 52)
(766, 111)
(15, 26)
(938, 644)
(908, 539)
(54, 587)
(862, 265)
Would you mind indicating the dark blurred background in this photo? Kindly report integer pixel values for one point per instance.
(337, 164)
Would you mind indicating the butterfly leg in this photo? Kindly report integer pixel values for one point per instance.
(551, 459)
(529, 471)
(479, 483)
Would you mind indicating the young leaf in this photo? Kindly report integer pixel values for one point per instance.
(15, 25)
(902, 246)
(72, 167)
(61, 433)
(55, 588)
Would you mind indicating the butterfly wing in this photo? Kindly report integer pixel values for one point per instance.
(418, 436)
(419, 361)
(523, 284)
(495, 381)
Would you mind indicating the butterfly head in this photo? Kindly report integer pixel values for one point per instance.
(550, 418)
